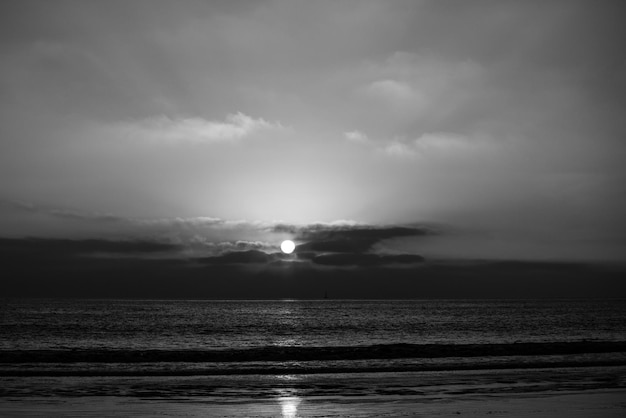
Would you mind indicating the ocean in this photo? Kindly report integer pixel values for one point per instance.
(199, 331)
(224, 325)
(233, 351)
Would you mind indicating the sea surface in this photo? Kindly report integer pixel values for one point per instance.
(318, 358)
(121, 337)
(190, 324)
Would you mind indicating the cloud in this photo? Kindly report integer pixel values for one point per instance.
(356, 137)
(67, 252)
(324, 244)
(239, 257)
(333, 259)
(205, 245)
(441, 145)
(201, 233)
(400, 149)
(443, 142)
(198, 237)
(411, 91)
(432, 144)
(37, 248)
(423, 80)
(377, 233)
(21, 206)
(347, 239)
(363, 260)
(162, 128)
(391, 90)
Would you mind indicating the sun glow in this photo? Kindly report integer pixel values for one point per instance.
(287, 246)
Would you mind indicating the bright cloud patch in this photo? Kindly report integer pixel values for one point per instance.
(356, 136)
(391, 90)
(163, 128)
(439, 144)
(399, 149)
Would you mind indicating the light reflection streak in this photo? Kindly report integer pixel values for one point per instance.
(289, 406)
(288, 399)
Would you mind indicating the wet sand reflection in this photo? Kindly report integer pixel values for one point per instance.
(288, 397)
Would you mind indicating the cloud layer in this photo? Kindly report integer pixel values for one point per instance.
(196, 130)
(503, 119)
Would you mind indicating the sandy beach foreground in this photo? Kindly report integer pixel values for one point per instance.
(601, 403)
(558, 392)
(577, 404)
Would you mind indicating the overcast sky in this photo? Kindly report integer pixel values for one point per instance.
(501, 122)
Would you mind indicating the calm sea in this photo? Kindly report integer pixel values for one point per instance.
(119, 336)
(164, 325)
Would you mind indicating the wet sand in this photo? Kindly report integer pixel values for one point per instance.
(597, 404)
(559, 392)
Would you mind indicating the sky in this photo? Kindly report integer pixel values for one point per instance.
(491, 129)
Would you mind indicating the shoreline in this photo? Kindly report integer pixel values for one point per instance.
(323, 384)
(536, 393)
(607, 403)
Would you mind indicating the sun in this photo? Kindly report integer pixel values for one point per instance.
(287, 246)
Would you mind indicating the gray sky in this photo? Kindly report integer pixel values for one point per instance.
(503, 121)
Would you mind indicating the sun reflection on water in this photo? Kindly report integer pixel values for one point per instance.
(289, 406)
(288, 398)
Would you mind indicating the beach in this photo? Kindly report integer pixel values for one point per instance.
(547, 392)
(603, 404)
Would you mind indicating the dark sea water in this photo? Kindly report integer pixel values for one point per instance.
(77, 358)
(224, 325)
(212, 337)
